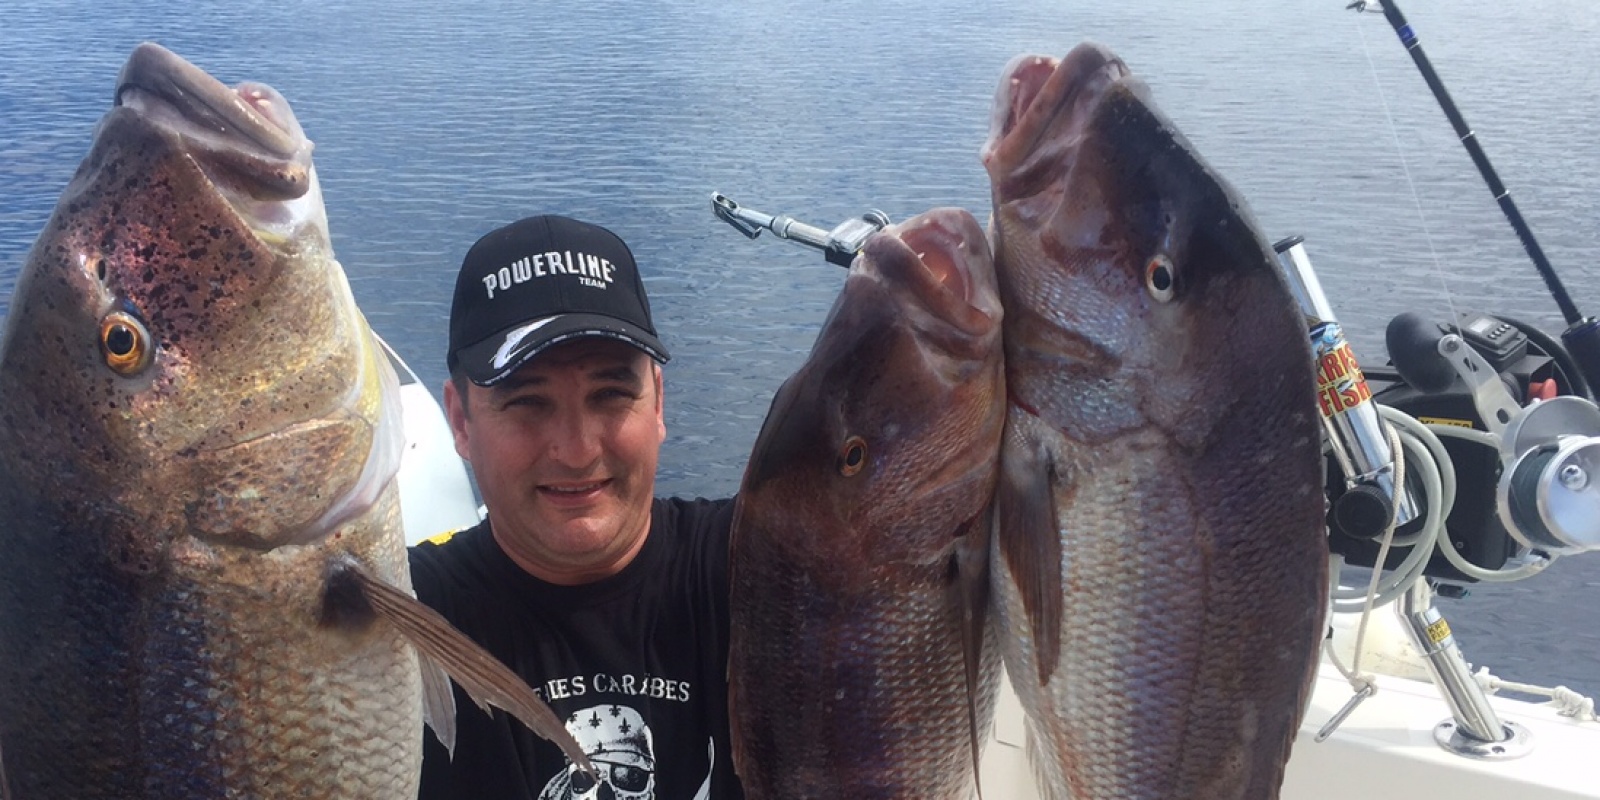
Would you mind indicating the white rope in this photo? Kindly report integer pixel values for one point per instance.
(1358, 679)
(1566, 702)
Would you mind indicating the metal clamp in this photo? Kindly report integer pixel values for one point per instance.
(838, 246)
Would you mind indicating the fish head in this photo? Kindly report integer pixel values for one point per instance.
(894, 419)
(1126, 261)
(181, 341)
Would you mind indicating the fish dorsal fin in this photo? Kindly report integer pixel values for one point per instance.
(487, 681)
(1030, 543)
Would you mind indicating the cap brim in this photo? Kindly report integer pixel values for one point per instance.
(489, 361)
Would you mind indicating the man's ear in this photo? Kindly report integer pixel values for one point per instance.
(661, 419)
(455, 410)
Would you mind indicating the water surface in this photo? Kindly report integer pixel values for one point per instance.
(437, 121)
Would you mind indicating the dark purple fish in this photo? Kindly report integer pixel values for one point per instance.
(859, 667)
(1160, 567)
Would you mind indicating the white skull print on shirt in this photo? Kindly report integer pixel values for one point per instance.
(622, 749)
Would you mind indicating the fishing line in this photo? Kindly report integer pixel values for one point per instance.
(1405, 169)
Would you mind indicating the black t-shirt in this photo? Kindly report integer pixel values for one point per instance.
(636, 665)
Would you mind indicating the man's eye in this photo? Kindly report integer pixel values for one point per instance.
(526, 401)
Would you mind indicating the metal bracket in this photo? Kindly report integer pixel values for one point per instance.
(838, 246)
(749, 223)
(1489, 396)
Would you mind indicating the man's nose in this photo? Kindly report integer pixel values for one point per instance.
(575, 440)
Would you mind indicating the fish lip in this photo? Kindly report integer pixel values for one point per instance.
(1040, 97)
(205, 101)
(246, 138)
(935, 254)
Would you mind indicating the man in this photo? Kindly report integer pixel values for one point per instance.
(610, 602)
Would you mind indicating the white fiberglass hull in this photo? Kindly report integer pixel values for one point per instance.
(1385, 749)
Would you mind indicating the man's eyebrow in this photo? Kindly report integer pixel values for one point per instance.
(518, 380)
(624, 373)
(621, 373)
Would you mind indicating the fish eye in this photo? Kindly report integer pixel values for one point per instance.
(854, 456)
(125, 343)
(1160, 278)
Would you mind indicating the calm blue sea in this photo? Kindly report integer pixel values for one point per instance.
(435, 121)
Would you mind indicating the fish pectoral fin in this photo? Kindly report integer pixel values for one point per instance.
(971, 564)
(486, 680)
(438, 703)
(1030, 544)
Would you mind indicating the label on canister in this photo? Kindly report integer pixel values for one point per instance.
(1340, 384)
(1438, 631)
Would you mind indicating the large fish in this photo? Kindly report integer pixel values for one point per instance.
(203, 584)
(1159, 565)
(858, 664)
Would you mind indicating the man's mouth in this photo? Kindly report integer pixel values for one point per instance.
(573, 491)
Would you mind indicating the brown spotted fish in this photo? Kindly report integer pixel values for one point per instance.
(203, 580)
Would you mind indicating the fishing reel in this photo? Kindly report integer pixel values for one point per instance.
(1549, 492)
(1525, 478)
(1549, 444)
(1509, 419)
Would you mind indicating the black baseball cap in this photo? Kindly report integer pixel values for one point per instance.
(541, 281)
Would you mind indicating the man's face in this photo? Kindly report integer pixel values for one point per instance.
(564, 452)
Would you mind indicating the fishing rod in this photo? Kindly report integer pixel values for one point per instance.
(1582, 336)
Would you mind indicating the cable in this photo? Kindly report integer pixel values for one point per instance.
(1466, 435)
(1535, 564)
(1438, 483)
(1429, 434)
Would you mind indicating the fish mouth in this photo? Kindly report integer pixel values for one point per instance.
(938, 255)
(245, 138)
(1041, 112)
